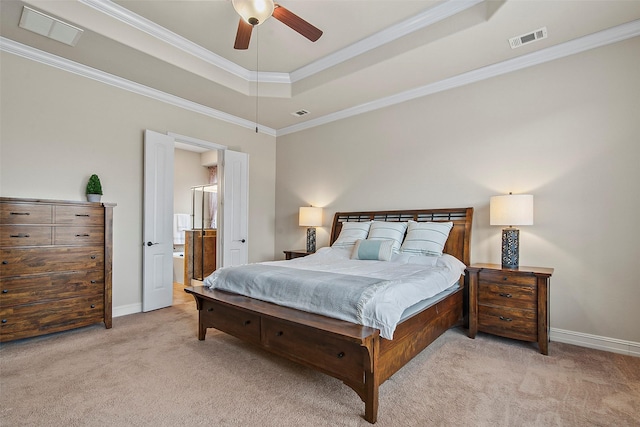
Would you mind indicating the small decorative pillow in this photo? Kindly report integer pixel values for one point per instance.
(426, 238)
(388, 230)
(350, 232)
(379, 250)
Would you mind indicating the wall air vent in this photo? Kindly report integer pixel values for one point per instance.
(531, 37)
(49, 26)
(300, 113)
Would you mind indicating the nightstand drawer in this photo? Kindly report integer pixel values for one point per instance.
(508, 322)
(510, 277)
(507, 295)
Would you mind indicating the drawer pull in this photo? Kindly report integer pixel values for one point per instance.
(5, 262)
(93, 257)
(82, 235)
(340, 355)
(5, 291)
(279, 333)
(93, 306)
(19, 235)
(506, 319)
(246, 323)
(93, 282)
(20, 213)
(505, 278)
(505, 295)
(82, 215)
(210, 309)
(4, 320)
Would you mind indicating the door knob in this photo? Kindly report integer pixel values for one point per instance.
(151, 244)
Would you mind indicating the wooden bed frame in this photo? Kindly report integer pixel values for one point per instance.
(353, 353)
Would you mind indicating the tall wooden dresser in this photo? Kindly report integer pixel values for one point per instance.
(55, 271)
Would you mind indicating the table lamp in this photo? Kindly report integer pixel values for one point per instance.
(511, 210)
(310, 217)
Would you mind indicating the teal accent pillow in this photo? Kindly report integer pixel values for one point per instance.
(378, 250)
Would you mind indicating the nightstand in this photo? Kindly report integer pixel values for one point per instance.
(296, 254)
(512, 303)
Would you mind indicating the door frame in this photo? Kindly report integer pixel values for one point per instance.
(208, 145)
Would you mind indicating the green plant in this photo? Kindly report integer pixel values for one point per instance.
(94, 186)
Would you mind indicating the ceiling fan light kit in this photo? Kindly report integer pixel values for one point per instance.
(255, 12)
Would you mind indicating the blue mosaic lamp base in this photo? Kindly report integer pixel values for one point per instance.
(510, 248)
(311, 239)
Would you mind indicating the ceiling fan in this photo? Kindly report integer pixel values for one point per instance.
(255, 12)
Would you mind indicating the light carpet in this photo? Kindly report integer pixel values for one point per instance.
(151, 370)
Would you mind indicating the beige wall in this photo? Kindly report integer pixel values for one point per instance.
(187, 172)
(566, 132)
(58, 128)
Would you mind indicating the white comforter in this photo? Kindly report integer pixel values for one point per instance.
(413, 279)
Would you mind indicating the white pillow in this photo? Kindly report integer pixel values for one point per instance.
(426, 238)
(350, 233)
(383, 230)
(378, 250)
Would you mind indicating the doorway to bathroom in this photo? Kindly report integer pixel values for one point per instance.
(231, 220)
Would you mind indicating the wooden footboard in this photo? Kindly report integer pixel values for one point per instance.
(355, 354)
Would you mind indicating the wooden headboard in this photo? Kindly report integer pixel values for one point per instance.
(458, 243)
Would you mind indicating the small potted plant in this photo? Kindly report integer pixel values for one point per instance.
(94, 189)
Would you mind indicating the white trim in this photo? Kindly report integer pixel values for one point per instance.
(138, 22)
(46, 58)
(414, 23)
(592, 41)
(408, 26)
(124, 310)
(613, 345)
(197, 142)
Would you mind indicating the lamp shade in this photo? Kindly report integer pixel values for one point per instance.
(310, 216)
(511, 210)
(254, 12)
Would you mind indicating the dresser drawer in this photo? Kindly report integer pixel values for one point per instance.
(508, 322)
(25, 235)
(79, 215)
(50, 259)
(241, 324)
(512, 278)
(341, 358)
(31, 289)
(84, 235)
(25, 213)
(507, 295)
(43, 318)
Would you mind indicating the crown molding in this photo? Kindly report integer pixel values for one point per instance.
(408, 26)
(424, 19)
(592, 41)
(46, 58)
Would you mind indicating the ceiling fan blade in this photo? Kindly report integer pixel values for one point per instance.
(243, 36)
(296, 23)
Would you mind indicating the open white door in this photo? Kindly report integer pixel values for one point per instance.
(235, 213)
(157, 250)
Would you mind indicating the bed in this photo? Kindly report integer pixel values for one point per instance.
(356, 354)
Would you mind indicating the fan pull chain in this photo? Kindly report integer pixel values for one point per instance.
(257, 72)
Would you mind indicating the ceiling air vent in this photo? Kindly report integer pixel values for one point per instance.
(531, 37)
(300, 113)
(49, 26)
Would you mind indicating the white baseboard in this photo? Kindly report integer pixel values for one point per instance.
(613, 345)
(123, 310)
